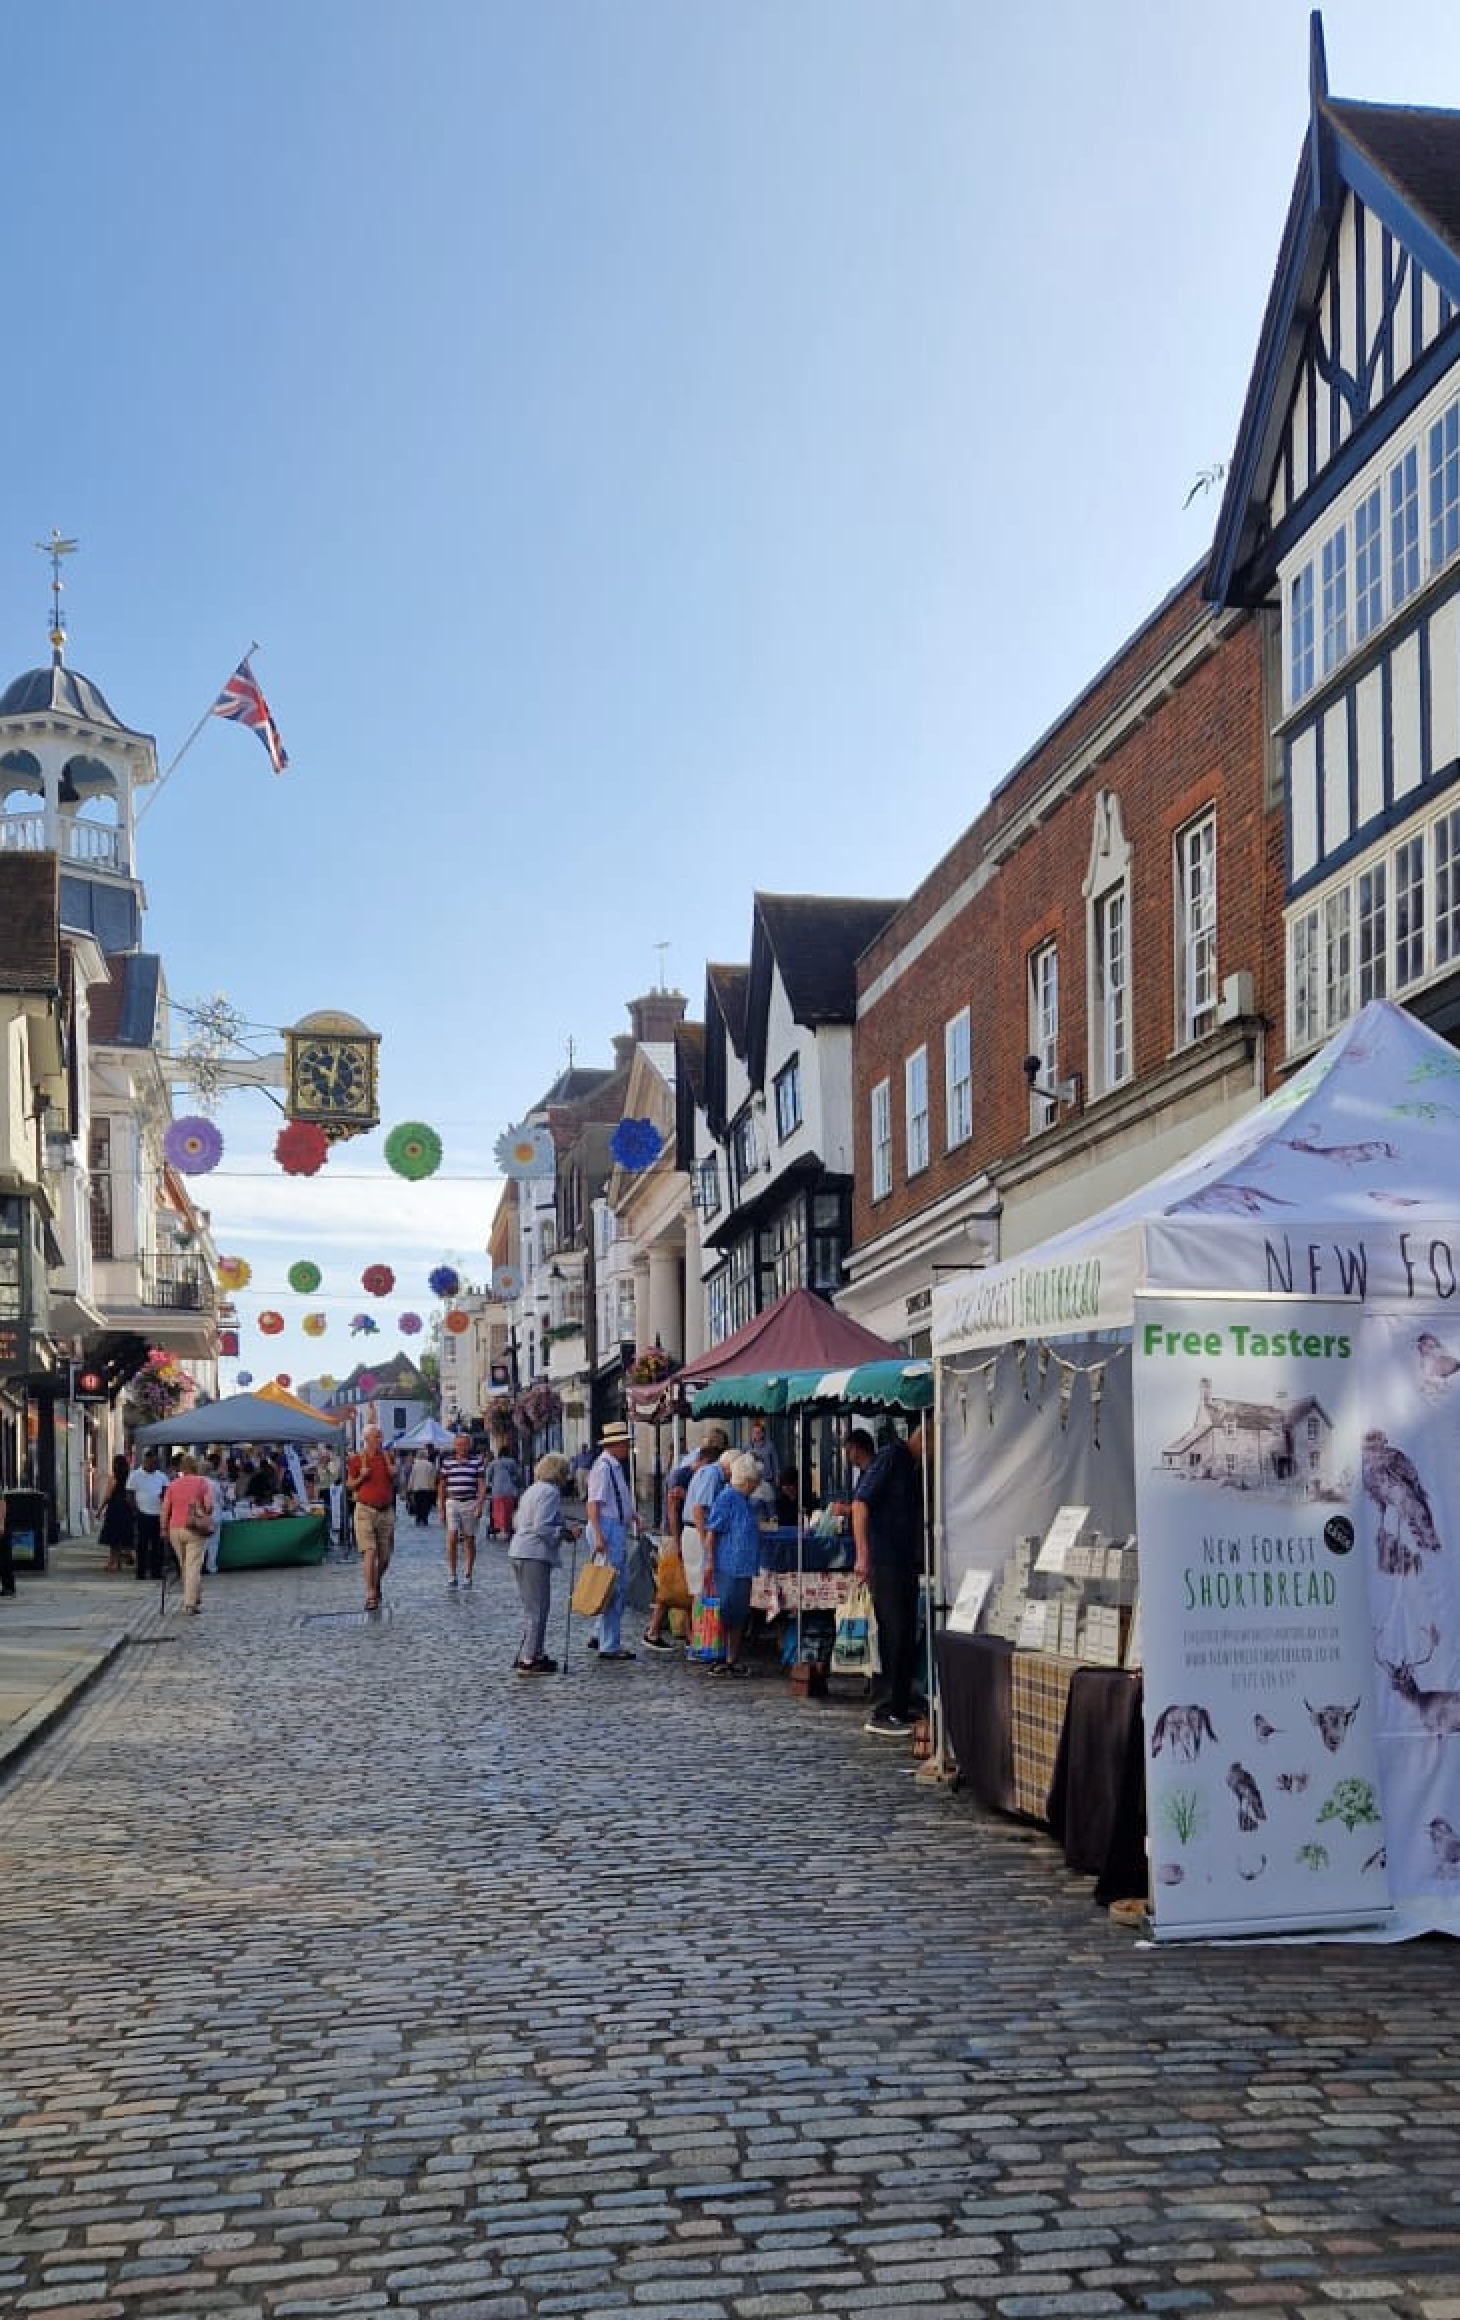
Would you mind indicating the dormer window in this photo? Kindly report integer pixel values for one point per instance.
(788, 1099)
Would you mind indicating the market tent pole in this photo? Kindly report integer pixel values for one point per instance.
(937, 1766)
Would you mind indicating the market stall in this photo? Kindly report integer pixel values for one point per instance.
(1302, 1267)
(270, 1542)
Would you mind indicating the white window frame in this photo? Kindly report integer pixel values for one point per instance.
(916, 1123)
(1196, 927)
(1044, 1029)
(787, 1090)
(1388, 923)
(958, 1077)
(881, 1134)
(1107, 892)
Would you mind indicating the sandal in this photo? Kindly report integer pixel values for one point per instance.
(372, 1602)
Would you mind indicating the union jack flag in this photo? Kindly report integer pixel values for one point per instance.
(241, 700)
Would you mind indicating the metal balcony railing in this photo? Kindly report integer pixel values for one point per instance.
(179, 1284)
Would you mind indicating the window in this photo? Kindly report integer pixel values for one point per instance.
(958, 1077)
(1445, 487)
(1300, 634)
(1196, 927)
(788, 1099)
(743, 1146)
(1368, 567)
(717, 1304)
(708, 1185)
(915, 1087)
(1337, 955)
(1409, 910)
(828, 1239)
(1044, 1029)
(1404, 527)
(1335, 600)
(99, 1160)
(1447, 888)
(1111, 988)
(881, 1139)
(786, 1250)
(1372, 934)
(742, 1283)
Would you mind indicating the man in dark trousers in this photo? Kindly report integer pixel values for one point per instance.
(887, 1531)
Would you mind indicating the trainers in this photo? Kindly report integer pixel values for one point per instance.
(657, 1643)
(593, 1644)
(451, 1582)
(545, 1666)
(466, 1582)
(527, 1667)
(887, 1726)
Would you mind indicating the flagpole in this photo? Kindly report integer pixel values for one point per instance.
(164, 778)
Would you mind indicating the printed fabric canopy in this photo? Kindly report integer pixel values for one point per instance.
(878, 1385)
(764, 1393)
(1343, 1183)
(238, 1418)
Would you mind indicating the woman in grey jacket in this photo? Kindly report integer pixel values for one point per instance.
(538, 1530)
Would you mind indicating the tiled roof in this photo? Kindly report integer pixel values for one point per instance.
(729, 985)
(816, 940)
(1417, 149)
(30, 922)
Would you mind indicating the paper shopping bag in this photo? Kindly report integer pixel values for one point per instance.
(593, 1587)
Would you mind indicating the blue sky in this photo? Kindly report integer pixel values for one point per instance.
(660, 449)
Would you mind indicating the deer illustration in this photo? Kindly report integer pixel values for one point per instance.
(1439, 1712)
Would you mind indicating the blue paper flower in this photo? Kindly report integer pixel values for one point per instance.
(636, 1145)
(444, 1282)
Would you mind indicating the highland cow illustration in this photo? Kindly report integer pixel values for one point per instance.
(1333, 1723)
(1392, 1481)
(1183, 1729)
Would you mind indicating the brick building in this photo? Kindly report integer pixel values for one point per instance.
(1089, 984)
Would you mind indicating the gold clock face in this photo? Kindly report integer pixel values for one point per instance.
(331, 1076)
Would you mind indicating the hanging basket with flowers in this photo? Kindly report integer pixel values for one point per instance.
(537, 1407)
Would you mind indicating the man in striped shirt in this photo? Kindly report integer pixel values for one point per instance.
(460, 1495)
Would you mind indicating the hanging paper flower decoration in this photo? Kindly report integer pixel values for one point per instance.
(328, 1384)
(271, 1323)
(234, 1272)
(525, 1152)
(413, 1150)
(305, 1277)
(192, 1146)
(314, 1325)
(301, 1149)
(507, 1283)
(228, 1344)
(457, 1321)
(284, 1379)
(444, 1282)
(636, 1145)
(245, 1377)
(377, 1280)
(410, 1325)
(363, 1325)
(367, 1381)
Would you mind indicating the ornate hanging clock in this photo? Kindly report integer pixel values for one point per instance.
(331, 1073)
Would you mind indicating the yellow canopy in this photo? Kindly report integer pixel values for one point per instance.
(274, 1392)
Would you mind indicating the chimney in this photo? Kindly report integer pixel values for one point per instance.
(655, 1015)
(623, 1050)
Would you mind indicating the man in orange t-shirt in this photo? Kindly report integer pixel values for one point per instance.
(370, 1481)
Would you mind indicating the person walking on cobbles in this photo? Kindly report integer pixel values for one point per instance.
(733, 1558)
(145, 1487)
(370, 1481)
(538, 1529)
(504, 1488)
(118, 1521)
(187, 1518)
(610, 1519)
(461, 1490)
(422, 1487)
(887, 1530)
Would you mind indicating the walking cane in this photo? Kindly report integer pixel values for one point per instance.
(572, 1581)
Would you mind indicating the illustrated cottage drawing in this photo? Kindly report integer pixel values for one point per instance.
(1282, 1445)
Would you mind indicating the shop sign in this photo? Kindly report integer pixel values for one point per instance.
(1262, 1760)
(14, 1349)
(89, 1385)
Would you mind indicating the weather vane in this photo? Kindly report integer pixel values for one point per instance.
(661, 948)
(55, 547)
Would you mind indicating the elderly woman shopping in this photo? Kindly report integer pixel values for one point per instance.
(732, 1558)
(538, 1529)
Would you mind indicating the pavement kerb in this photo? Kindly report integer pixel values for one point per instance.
(48, 1710)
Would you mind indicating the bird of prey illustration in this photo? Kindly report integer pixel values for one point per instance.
(1250, 1807)
(1437, 1365)
(1262, 1728)
(1446, 1848)
(1392, 1481)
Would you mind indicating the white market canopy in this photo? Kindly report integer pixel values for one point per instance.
(1346, 1181)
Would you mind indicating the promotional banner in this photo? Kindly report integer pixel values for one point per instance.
(1410, 1533)
(1263, 1794)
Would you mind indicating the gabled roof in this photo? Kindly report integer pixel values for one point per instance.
(689, 1089)
(1403, 163)
(124, 1008)
(813, 941)
(572, 1085)
(30, 922)
(726, 987)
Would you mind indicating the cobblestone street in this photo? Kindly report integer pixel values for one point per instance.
(344, 1973)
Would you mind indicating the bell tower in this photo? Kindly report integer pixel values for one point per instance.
(70, 771)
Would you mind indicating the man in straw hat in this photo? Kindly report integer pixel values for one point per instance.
(610, 1519)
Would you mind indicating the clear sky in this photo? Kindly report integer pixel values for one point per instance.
(661, 450)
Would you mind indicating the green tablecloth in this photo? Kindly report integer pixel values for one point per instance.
(268, 1542)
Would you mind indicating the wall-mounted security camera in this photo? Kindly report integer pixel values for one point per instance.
(1062, 1091)
(1031, 1069)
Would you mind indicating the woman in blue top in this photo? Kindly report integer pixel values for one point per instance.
(732, 1558)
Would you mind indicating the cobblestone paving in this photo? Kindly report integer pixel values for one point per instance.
(345, 1974)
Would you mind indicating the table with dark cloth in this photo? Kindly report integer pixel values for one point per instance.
(820, 1585)
(1053, 1742)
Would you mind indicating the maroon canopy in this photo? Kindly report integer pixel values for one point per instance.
(801, 1332)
